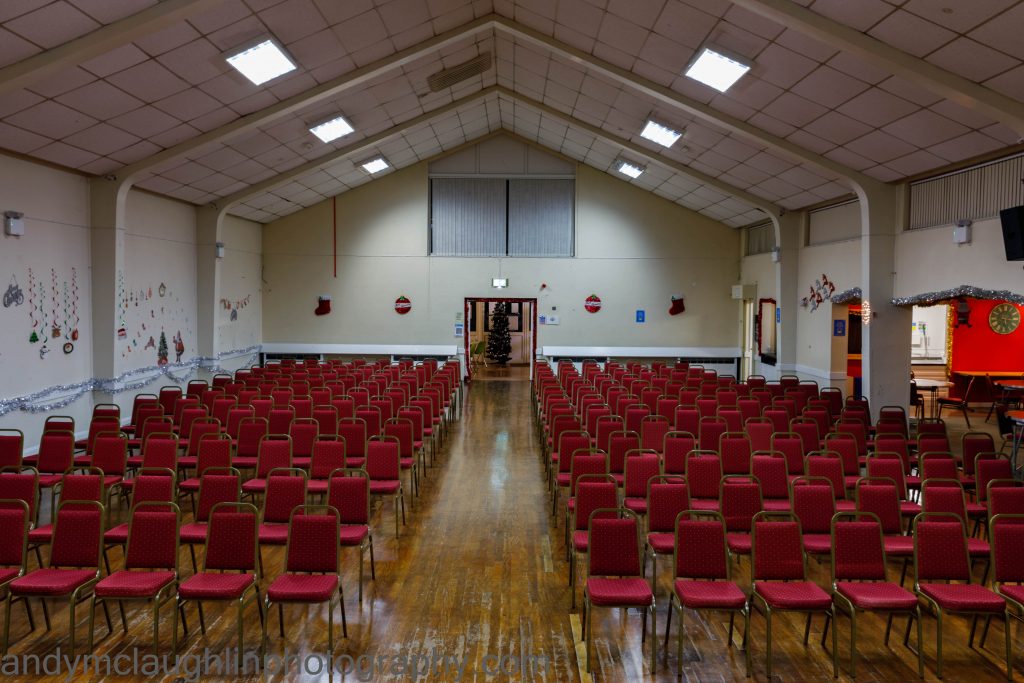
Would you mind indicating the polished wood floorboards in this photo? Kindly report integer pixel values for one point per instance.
(479, 574)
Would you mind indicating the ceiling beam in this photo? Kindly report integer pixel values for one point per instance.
(691, 106)
(953, 87)
(286, 107)
(650, 155)
(99, 42)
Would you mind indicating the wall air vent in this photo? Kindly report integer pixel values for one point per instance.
(449, 77)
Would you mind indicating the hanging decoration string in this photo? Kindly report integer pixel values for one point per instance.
(32, 300)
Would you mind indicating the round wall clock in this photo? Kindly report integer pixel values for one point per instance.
(1004, 318)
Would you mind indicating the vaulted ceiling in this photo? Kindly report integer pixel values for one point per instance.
(877, 89)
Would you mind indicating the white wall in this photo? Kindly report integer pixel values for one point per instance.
(633, 249)
(240, 311)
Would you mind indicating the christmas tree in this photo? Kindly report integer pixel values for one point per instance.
(499, 343)
(161, 350)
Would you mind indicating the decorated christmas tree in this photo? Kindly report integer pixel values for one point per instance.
(161, 350)
(499, 343)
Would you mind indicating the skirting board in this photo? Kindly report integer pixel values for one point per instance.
(363, 349)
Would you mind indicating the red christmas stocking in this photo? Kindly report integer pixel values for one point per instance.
(324, 306)
(677, 306)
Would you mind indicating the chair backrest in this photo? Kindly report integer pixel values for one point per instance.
(275, 451)
(586, 461)
(700, 548)
(990, 467)
(973, 443)
(940, 548)
(327, 456)
(313, 540)
(56, 452)
(110, 453)
(653, 429)
(1006, 536)
(666, 498)
(937, 466)
(153, 484)
(620, 443)
(82, 484)
(770, 469)
(792, 447)
(15, 519)
(760, 430)
(348, 492)
(1005, 496)
(199, 428)
(77, 535)
(813, 504)
(280, 419)
(593, 492)
(11, 447)
(286, 490)
(232, 538)
(739, 501)
(614, 544)
(703, 474)
(880, 497)
(710, 431)
(250, 434)
(735, 449)
(846, 445)
(59, 423)
(153, 536)
(829, 465)
(858, 552)
(932, 443)
(303, 431)
(676, 446)
(640, 466)
(777, 551)
(383, 458)
(401, 428)
(353, 430)
(897, 444)
(217, 485)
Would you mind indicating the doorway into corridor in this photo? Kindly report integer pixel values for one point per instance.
(522, 325)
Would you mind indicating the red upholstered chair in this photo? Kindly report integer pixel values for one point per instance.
(703, 577)
(74, 565)
(310, 569)
(150, 570)
(564, 446)
(153, 485)
(418, 418)
(279, 420)
(214, 450)
(675, 449)
(735, 449)
(348, 492)
(846, 446)
(98, 425)
(12, 443)
(110, 456)
(614, 574)
(231, 568)
(739, 502)
(15, 518)
(328, 456)
(56, 455)
(217, 485)
(303, 431)
(138, 402)
(275, 452)
(160, 449)
(814, 506)
(703, 477)
(20, 484)
(829, 465)
(887, 465)
(687, 419)
(384, 468)
(250, 433)
(971, 444)
(940, 559)
(760, 430)
(770, 469)
(641, 466)
(593, 492)
(83, 484)
(667, 496)
(947, 496)
(710, 432)
(402, 429)
(653, 429)
(1006, 532)
(779, 577)
(619, 443)
(286, 490)
(585, 461)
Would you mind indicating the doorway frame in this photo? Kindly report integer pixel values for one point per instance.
(486, 299)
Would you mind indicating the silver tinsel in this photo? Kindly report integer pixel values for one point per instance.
(69, 393)
(931, 298)
(847, 295)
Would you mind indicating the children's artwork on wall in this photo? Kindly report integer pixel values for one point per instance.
(151, 344)
(13, 296)
(822, 290)
(179, 347)
(161, 352)
(235, 306)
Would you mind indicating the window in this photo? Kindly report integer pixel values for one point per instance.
(530, 217)
(760, 239)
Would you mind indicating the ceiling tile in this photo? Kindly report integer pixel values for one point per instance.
(829, 87)
(51, 119)
(293, 20)
(837, 128)
(145, 122)
(402, 15)
(794, 109)
(16, 101)
(14, 48)
(971, 60)
(213, 119)
(179, 133)
(115, 60)
(580, 16)
(316, 49)
(238, 34)
(914, 163)
(755, 23)
(849, 159)
(1010, 83)
(771, 124)
(959, 16)
(336, 12)
(65, 155)
(109, 11)
(187, 104)
(924, 128)
(911, 34)
(782, 67)
(148, 81)
(880, 147)
(167, 39)
(101, 139)
(188, 172)
(966, 146)
(685, 24)
(220, 15)
(861, 15)
(15, 8)
(195, 62)
(100, 100)
(61, 82)
(361, 31)
(810, 142)
(136, 152)
(876, 107)
(52, 25)
(968, 117)
(805, 45)
(909, 91)
(622, 34)
(1003, 32)
(19, 140)
(857, 68)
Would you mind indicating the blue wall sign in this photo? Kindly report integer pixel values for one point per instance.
(641, 316)
(838, 328)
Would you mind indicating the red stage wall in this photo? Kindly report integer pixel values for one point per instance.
(978, 348)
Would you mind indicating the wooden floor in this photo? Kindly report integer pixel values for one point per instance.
(479, 576)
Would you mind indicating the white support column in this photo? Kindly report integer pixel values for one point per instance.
(885, 344)
(208, 233)
(108, 209)
(788, 238)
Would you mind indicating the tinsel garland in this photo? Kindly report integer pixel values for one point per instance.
(847, 295)
(29, 403)
(930, 298)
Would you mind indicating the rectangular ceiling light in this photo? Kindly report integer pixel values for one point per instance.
(499, 282)
(262, 62)
(333, 129)
(663, 135)
(629, 169)
(714, 68)
(375, 165)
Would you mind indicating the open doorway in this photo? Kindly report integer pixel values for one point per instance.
(522, 325)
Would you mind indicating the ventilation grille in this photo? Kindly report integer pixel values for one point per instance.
(973, 193)
(449, 77)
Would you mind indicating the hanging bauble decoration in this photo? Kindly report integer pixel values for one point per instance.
(592, 303)
(402, 305)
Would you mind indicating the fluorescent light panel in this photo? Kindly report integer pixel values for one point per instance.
(714, 68)
(663, 135)
(627, 168)
(332, 130)
(499, 282)
(262, 62)
(375, 165)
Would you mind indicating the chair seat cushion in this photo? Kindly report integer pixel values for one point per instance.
(580, 541)
(909, 509)
(884, 595)
(41, 534)
(129, 584)
(662, 543)
(354, 461)
(845, 506)
(977, 547)
(562, 478)
(704, 503)
(637, 505)
(191, 484)
(116, 535)
(316, 486)
(776, 504)
(8, 573)
(385, 487)
(898, 545)
(51, 581)
(977, 509)
(301, 461)
(739, 542)
(193, 532)
(798, 595)
(48, 480)
(961, 597)
(274, 534)
(303, 588)
(709, 594)
(212, 586)
(353, 534)
(254, 486)
(244, 462)
(818, 544)
(623, 592)
(1015, 593)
